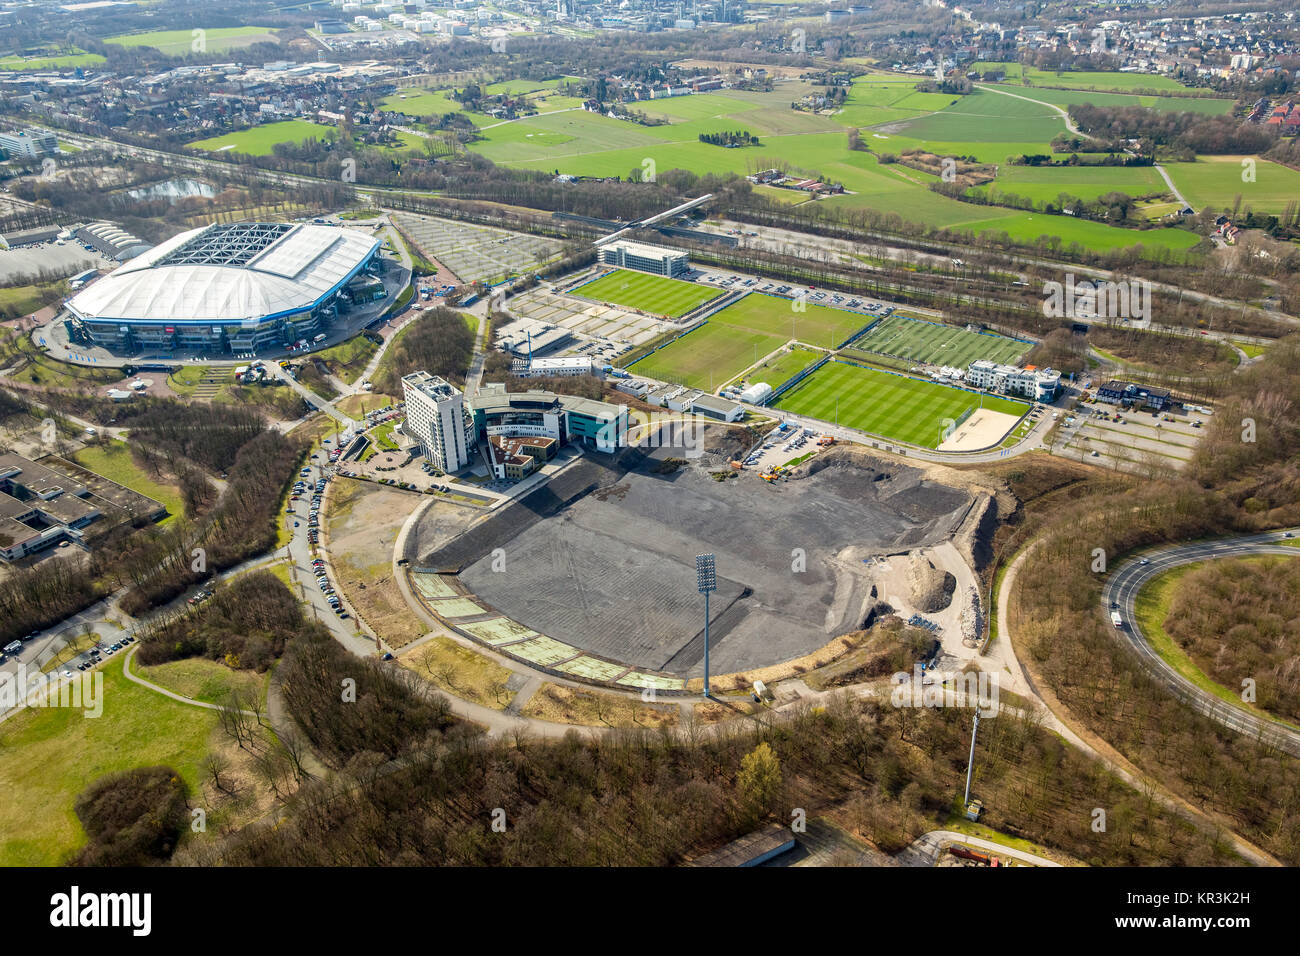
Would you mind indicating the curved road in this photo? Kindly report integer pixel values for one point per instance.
(1121, 591)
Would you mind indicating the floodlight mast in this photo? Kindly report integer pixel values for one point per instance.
(706, 578)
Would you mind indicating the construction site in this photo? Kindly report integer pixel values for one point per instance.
(603, 556)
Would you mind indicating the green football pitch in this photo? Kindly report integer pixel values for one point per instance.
(937, 344)
(891, 406)
(738, 336)
(649, 293)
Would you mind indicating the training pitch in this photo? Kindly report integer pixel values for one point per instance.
(933, 343)
(740, 335)
(649, 293)
(891, 406)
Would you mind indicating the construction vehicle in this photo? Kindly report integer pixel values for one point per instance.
(826, 441)
(738, 465)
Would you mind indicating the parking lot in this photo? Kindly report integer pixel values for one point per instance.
(590, 321)
(737, 282)
(1128, 439)
(476, 253)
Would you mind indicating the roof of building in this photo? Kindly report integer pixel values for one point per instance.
(229, 272)
(716, 404)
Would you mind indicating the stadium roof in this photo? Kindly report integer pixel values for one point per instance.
(231, 272)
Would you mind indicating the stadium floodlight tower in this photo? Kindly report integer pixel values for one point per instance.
(706, 577)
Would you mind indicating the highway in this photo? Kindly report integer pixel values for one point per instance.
(1121, 592)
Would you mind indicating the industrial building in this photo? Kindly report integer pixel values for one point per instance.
(645, 258)
(111, 240)
(227, 287)
(559, 367)
(1040, 385)
(436, 418)
(41, 507)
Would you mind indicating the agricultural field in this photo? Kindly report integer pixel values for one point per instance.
(987, 125)
(1215, 181)
(261, 140)
(882, 403)
(936, 344)
(1211, 106)
(1046, 183)
(1082, 80)
(182, 42)
(649, 293)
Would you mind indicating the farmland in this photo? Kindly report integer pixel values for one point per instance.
(937, 344)
(1216, 181)
(881, 403)
(649, 293)
(987, 125)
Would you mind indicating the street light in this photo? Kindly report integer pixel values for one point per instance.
(706, 578)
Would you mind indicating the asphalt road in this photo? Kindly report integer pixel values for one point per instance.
(1127, 581)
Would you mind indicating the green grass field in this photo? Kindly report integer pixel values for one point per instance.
(48, 756)
(938, 344)
(1046, 183)
(738, 336)
(785, 366)
(818, 325)
(183, 42)
(63, 61)
(115, 463)
(261, 140)
(891, 406)
(1215, 181)
(1082, 79)
(708, 357)
(658, 295)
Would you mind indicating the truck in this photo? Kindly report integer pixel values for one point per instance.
(1116, 619)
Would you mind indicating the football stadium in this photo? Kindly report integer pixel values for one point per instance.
(230, 287)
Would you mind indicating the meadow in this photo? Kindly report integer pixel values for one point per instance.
(649, 293)
(1216, 181)
(987, 125)
(182, 42)
(60, 61)
(261, 140)
(892, 406)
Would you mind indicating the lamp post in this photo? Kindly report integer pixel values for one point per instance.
(706, 577)
(970, 763)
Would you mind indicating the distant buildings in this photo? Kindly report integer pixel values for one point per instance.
(29, 144)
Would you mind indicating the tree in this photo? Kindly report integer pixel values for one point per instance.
(758, 782)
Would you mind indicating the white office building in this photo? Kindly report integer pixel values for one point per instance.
(29, 143)
(436, 418)
(1040, 385)
(645, 258)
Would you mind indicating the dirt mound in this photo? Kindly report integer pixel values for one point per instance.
(931, 589)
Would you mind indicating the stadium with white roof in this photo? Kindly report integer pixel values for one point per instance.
(237, 287)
